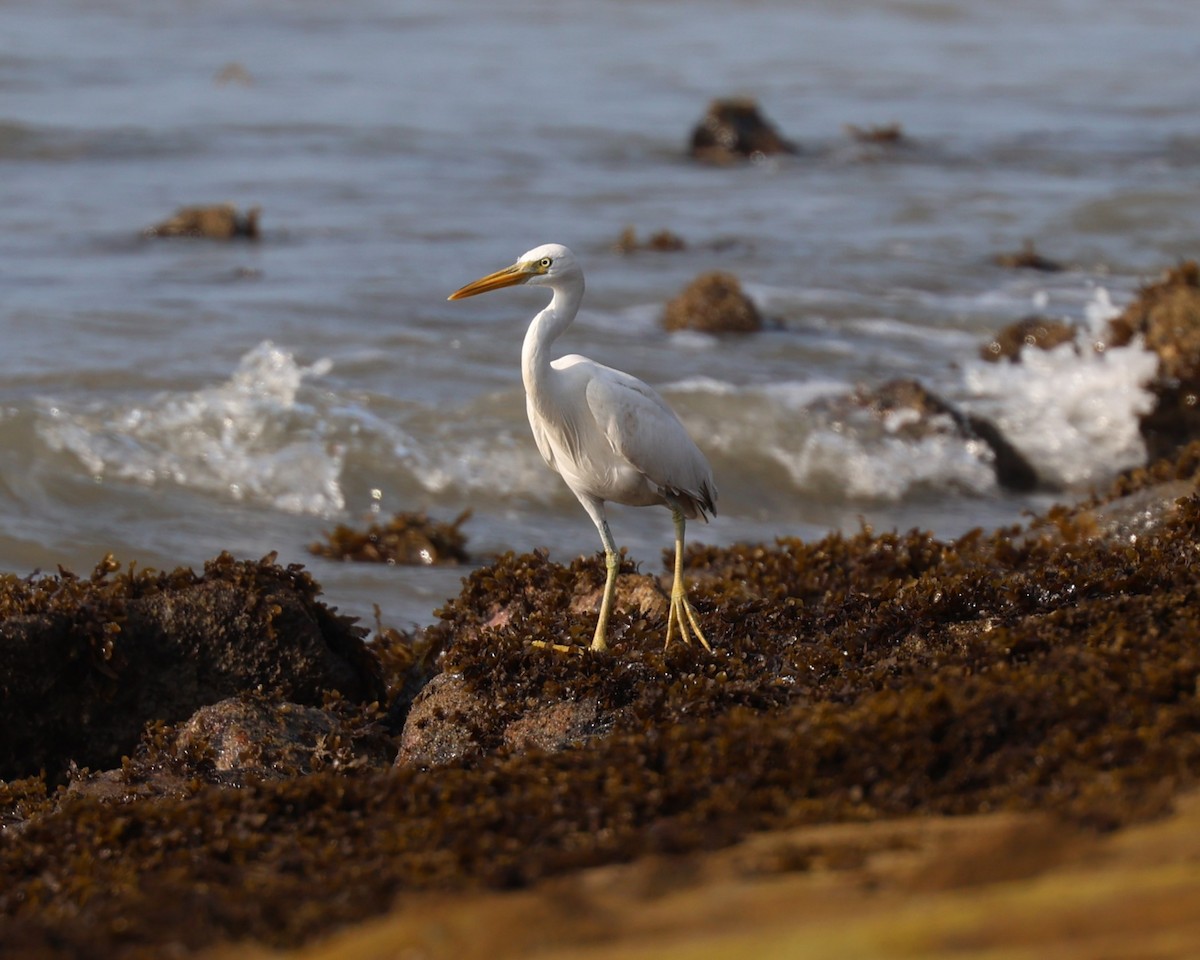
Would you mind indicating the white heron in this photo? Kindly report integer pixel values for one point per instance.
(610, 436)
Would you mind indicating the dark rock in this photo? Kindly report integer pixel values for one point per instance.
(664, 241)
(85, 665)
(1166, 315)
(1027, 258)
(218, 222)
(447, 722)
(408, 538)
(272, 739)
(734, 130)
(890, 134)
(713, 303)
(234, 73)
(906, 409)
(452, 721)
(1039, 332)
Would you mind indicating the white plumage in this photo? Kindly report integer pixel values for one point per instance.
(609, 435)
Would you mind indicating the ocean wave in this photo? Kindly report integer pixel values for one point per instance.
(250, 437)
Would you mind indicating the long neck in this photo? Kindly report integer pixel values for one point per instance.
(543, 331)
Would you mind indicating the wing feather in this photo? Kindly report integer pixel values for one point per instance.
(645, 431)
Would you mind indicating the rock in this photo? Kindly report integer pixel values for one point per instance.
(1166, 315)
(273, 739)
(446, 723)
(218, 222)
(1027, 258)
(664, 241)
(234, 73)
(451, 721)
(408, 538)
(906, 409)
(734, 130)
(889, 134)
(636, 595)
(1039, 332)
(85, 665)
(713, 303)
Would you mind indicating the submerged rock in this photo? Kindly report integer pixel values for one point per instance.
(734, 130)
(1027, 258)
(663, 241)
(408, 538)
(713, 303)
(85, 665)
(217, 222)
(890, 134)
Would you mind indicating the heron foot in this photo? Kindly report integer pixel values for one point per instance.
(682, 615)
(568, 647)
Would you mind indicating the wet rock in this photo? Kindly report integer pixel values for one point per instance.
(663, 241)
(1166, 315)
(452, 721)
(217, 222)
(734, 130)
(906, 409)
(1040, 332)
(1027, 258)
(408, 538)
(447, 722)
(273, 739)
(713, 303)
(86, 664)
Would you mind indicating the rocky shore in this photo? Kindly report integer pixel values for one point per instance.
(265, 775)
(895, 740)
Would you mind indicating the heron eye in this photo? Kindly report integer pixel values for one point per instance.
(545, 262)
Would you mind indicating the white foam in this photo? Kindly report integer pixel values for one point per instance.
(1072, 411)
(1099, 310)
(249, 438)
(847, 465)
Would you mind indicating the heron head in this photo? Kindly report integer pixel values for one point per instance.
(542, 266)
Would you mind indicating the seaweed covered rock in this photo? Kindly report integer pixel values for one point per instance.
(275, 739)
(1041, 333)
(408, 538)
(733, 130)
(220, 221)
(852, 679)
(1166, 315)
(86, 664)
(713, 303)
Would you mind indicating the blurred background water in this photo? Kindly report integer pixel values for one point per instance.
(165, 400)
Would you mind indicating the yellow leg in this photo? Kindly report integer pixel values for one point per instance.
(681, 614)
(612, 563)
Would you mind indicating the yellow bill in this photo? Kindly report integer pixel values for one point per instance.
(509, 276)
